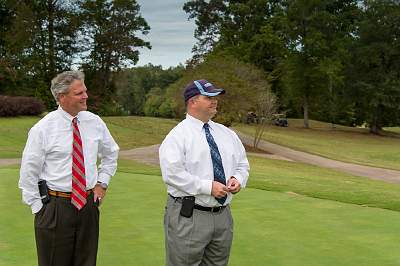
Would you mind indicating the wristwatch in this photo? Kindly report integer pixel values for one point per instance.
(103, 185)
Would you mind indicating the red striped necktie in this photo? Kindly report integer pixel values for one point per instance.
(78, 196)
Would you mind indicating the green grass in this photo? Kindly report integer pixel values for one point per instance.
(135, 131)
(353, 145)
(271, 228)
(290, 214)
(393, 129)
(14, 132)
(323, 183)
(129, 132)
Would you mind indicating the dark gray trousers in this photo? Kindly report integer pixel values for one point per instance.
(203, 239)
(66, 236)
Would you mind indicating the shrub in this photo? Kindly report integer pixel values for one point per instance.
(20, 105)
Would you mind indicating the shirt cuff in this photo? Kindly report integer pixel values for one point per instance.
(36, 206)
(240, 180)
(104, 178)
(205, 187)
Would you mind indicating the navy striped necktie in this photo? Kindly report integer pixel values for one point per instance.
(219, 173)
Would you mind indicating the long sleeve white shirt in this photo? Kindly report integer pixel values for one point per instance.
(47, 154)
(186, 163)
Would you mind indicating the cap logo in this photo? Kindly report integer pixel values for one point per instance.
(199, 87)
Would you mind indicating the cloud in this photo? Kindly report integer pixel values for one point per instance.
(171, 34)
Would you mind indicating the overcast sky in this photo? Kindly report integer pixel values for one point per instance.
(171, 34)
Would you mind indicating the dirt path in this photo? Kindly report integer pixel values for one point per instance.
(391, 176)
(5, 162)
(149, 155)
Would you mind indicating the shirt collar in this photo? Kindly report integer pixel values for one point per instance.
(66, 115)
(197, 123)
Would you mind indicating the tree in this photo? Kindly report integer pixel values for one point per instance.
(233, 26)
(39, 43)
(208, 17)
(375, 79)
(132, 86)
(7, 74)
(154, 99)
(266, 106)
(243, 82)
(316, 33)
(294, 41)
(110, 39)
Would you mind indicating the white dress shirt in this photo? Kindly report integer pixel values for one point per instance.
(47, 154)
(186, 163)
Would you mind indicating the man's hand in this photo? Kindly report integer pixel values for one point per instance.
(218, 190)
(233, 185)
(99, 193)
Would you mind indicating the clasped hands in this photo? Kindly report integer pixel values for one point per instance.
(220, 190)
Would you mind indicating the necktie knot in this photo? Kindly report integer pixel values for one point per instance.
(206, 125)
(75, 121)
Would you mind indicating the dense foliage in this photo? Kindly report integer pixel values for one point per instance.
(41, 38)
(332, 60)
(20, 105)
(336, 61)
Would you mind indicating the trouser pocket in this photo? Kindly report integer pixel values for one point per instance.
(46, 218)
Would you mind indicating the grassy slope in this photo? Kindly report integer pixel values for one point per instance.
(271, 228)
(135, 131)
(393, 129)
(316, 182)
(13, 134)
(342, 143)
(130, 132)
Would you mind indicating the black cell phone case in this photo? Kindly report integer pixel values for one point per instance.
(187, 207)
(43, 191)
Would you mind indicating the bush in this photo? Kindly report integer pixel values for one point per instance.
(14, 106)
(244, 83)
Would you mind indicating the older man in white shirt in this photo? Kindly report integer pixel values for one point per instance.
(61, 152)
(203, 164)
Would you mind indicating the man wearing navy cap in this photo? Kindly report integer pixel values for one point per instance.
(203, 164)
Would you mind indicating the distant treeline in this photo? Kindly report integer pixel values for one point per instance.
(331, 60)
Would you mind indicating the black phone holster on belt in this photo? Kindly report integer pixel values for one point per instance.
(43, 191)
(187, 206)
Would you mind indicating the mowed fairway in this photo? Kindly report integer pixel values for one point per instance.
(354, 145)
(290, 214)
(271, 228)
(13, 134)
(129, 131)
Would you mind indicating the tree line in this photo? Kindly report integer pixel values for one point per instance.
(331, 60)
(40, 38)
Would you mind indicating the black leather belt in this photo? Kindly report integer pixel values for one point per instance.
(202, 208)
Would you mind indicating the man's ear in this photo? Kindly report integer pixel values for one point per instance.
(61, 97)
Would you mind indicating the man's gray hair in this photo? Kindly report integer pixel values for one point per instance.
(62, 82)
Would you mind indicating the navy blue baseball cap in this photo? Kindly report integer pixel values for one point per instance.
(201, 87)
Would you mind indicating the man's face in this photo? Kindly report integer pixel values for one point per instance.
(74, 100)
(206, 106)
